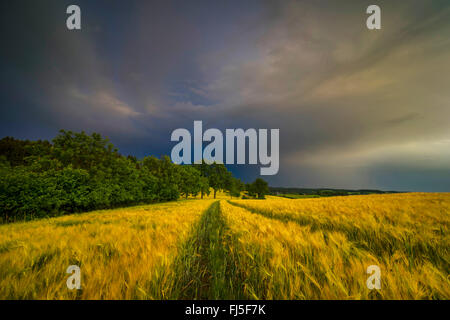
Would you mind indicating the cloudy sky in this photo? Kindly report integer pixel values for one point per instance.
(356, 108)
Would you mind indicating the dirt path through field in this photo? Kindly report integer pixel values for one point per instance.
(206, 265)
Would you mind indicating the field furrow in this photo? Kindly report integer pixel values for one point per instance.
(207, 266)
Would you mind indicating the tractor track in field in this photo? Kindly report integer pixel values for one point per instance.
(206, 266)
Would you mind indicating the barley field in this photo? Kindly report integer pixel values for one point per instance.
(278, 248)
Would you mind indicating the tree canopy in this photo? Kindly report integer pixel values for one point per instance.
(79, 172)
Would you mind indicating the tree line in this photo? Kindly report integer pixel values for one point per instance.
(78, 172)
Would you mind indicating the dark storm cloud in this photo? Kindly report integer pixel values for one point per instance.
(353, 106)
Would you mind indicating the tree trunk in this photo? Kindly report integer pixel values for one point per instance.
(215, 193)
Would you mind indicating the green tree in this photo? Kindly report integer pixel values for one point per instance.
(80, 172)
(167, 174)
(17, 151)
(204, 186)
(260, 187)
(205, 172)
(190, 181)
(257, 189)
(89, 152)
(218, 177)
(234, 187)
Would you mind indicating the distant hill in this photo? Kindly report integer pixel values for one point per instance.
(292, 192)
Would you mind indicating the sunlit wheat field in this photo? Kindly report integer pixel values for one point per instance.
(226, 248)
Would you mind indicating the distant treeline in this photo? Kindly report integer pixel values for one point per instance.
(79, 172)
(322, 192)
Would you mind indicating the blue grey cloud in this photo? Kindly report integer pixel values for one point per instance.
(356, 108)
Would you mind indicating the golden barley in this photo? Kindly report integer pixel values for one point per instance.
(123, 253)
